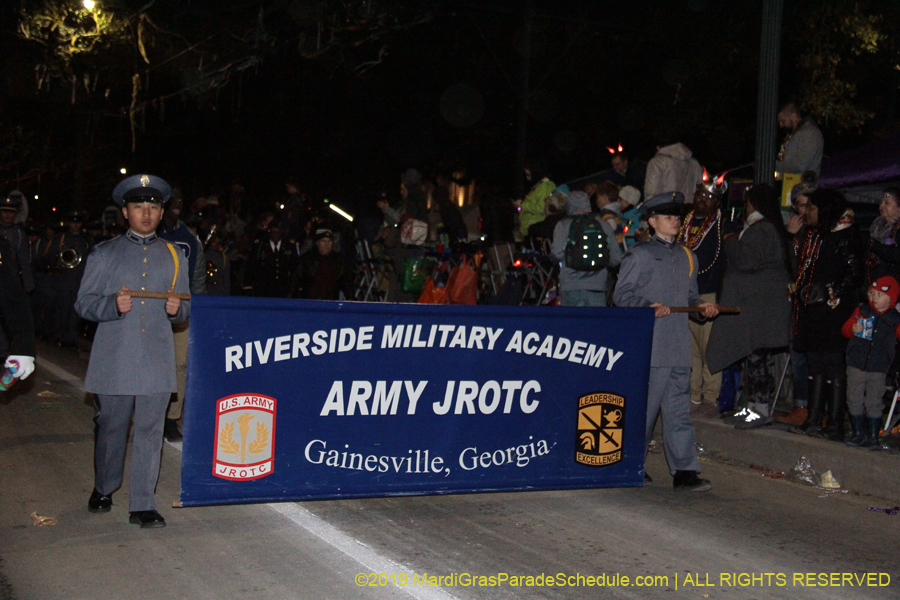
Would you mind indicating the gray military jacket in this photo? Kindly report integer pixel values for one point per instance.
(660, 271)
(134, 353)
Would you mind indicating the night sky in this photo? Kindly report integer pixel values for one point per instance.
(444, 94)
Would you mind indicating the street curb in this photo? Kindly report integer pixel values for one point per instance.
(857, 470)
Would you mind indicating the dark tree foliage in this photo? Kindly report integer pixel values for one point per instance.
(342, 93)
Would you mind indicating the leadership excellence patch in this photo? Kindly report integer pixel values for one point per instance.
(245, 437)
(601, 423)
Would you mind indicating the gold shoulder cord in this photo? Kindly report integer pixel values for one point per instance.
(174, 258)
(690, 260)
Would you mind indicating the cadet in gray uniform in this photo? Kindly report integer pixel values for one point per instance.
(132, 365)
(660, 273)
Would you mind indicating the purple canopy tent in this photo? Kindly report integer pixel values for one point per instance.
(864, 172)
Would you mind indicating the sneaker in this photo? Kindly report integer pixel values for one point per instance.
(735, 417)
(797, 416)
(688, 481)
(753, 420)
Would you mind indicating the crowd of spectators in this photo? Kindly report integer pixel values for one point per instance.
(814, 291)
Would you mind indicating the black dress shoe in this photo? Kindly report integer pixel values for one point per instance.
(647, 479)
(171, 432)
(688, 481)
(99, 503)
(147, 519)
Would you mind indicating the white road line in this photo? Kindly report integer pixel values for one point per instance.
(370, 560)
(75, 382)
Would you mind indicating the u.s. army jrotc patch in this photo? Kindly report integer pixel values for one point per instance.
(245, 437)
(600, 429)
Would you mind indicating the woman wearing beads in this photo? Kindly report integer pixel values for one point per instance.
(756, 279)
(883, 257)
(830, 273)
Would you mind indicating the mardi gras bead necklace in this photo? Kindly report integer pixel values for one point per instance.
(693, 241)
(812, 244)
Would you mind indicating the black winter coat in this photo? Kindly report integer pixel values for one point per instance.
(839, 268)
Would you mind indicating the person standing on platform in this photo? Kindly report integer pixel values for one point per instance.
(661, 273)
(672, 169)
(132, 365)
(802, 147)
(531, 208)
(623, 175)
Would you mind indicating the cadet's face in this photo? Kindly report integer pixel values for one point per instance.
(7, 217)
(666, 226)
(619, 164)
(143, 217)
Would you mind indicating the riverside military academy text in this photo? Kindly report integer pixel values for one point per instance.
(476, 338)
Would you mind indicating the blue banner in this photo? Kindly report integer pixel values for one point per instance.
(301, 400)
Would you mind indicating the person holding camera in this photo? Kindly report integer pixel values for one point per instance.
(830, 272)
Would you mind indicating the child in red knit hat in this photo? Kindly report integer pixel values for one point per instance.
(873, 330)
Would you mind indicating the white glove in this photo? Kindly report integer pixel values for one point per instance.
(22, 366)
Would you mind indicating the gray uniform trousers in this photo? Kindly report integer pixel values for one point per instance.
(113, 418)
(669, 393)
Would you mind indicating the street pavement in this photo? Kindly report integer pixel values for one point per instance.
(755, 535)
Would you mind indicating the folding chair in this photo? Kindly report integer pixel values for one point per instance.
(541, 274)
(368, 269)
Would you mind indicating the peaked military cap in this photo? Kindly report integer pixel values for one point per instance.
(668, 203)
(142, 188)
(13, 201)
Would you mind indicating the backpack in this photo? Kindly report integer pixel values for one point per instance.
(587, 248)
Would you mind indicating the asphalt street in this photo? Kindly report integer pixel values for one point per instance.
(752, 536)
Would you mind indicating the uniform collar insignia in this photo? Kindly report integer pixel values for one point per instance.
(138, 239)
(662, 242)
